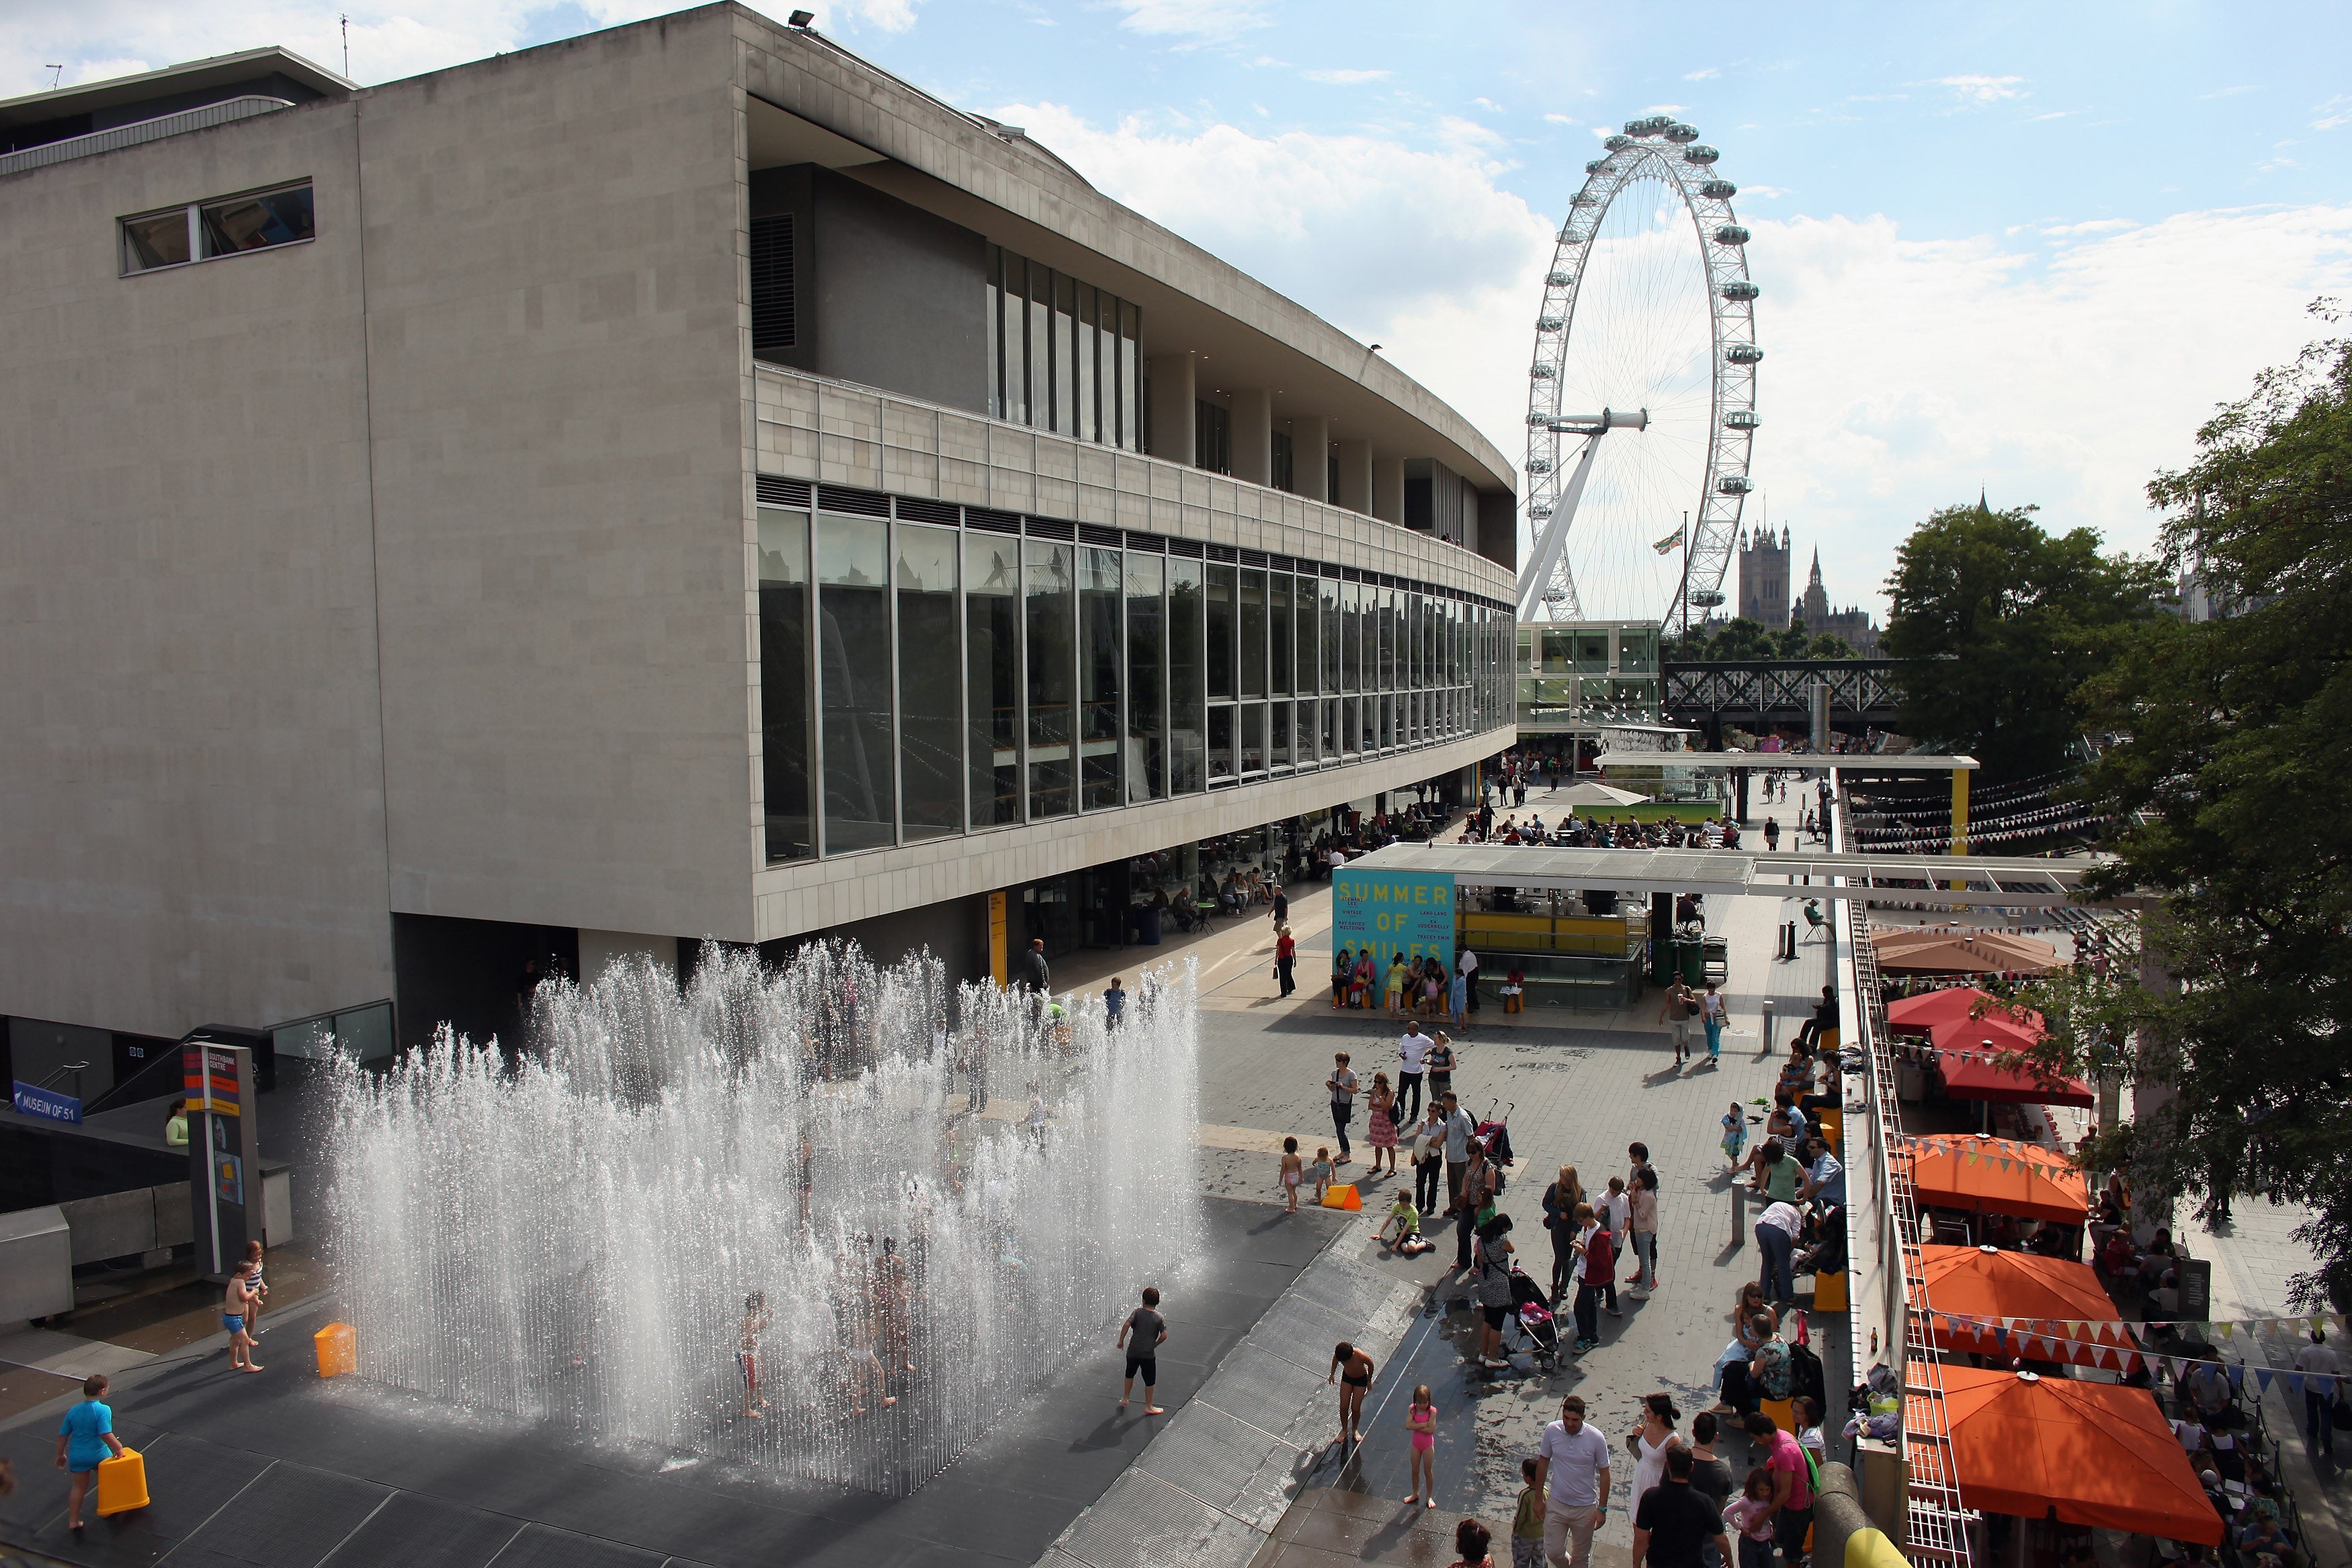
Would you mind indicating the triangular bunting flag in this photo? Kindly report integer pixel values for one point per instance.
(2225, 1328)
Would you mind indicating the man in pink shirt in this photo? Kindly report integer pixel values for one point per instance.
(1793, 1490)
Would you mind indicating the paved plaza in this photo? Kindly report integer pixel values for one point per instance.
(1583, 1085)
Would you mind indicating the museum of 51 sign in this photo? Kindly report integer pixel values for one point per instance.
(1392, 912)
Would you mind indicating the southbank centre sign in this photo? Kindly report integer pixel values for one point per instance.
(1392, 912)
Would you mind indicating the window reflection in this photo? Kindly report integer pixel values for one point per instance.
(1147, 677)
(931, 708)
(1053, 672)
(784, 683)
(991, 630)
(1187, 678)
(854, 681)
(1100, 676)
(1221, 633)
(1064, 355)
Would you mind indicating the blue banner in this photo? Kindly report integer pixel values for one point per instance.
(47, 1103)
(1392, 912)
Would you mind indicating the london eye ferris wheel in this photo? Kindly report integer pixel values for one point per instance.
(1646, 345)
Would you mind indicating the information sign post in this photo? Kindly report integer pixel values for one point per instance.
(225, 1194)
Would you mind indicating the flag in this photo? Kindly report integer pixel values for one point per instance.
(1671, 542)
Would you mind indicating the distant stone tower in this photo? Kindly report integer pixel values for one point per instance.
(1814, 608)
(1764, 578)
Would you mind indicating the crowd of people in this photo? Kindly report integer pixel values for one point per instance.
(1689, 1505)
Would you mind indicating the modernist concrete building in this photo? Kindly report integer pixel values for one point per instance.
(679, 483)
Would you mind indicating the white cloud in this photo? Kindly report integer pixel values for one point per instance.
(1983, 89)
(1332, 76)
(1704, 73)
(2336, 111)
(2227, 91)
(1489, 105)
(1901, 374)
(1193, 18)
(1762, 192)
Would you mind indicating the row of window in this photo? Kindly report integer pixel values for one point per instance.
(921, 678)
(225, 225)
(1063, 355)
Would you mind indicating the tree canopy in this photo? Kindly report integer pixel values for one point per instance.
(2007, 621)
(2234, 790)
(1744, 639)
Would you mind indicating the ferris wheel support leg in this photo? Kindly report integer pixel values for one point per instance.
(1538, 571)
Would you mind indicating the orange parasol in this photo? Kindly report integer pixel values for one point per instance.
(2058, 1301)
(2091, 1453)
(1995, 1176)
(1956, 950)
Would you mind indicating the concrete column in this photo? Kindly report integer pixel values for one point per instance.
(1173, 392)
(1356, 477)
(1388, 490)
(1310, 455)
(1252, 414)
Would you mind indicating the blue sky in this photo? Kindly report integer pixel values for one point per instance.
(2025, 247)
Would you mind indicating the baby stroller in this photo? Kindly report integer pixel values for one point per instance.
(1495, 1132)
(1535, 1320)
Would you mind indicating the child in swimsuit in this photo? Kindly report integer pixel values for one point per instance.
(235, 1306)
(1290, 1173)
(1320, 1173)
(1421, 1420)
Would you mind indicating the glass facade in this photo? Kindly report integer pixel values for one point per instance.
(1096, 670)
(1063, 355)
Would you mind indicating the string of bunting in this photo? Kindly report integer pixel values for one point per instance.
(1972, 1156)
(2035, 1341)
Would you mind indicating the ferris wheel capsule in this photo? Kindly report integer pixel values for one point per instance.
(1682, 131)
(1700, 154)
(1718, 190)
(1744, 354)
(1731, 234)
(1617, 143)
(1559, 280)
(1739, 289)
(1742, 419)
(1733, 484)
(1594, 165)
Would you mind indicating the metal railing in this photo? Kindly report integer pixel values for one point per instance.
(137, 131)
(1935, 1522)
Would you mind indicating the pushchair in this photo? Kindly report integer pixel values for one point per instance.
(1495, 1132)
(1535, 1320)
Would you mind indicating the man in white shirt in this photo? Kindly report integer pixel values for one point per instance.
(1572, 1469)
(1468, 965)
(2317, 1362)
(1776, 1238)
(1410, 1051)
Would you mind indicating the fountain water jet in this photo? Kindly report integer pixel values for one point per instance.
(571, 1235)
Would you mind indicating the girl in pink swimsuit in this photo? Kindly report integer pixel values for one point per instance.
(1422, 1422)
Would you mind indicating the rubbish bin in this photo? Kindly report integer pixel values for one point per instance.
(1147, 926)
(1690, 959)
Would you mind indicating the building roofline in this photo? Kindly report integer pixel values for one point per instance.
(950, 139)
(215, 70)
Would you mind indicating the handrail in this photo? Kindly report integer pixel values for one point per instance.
(202, 117)
(1936, 1522)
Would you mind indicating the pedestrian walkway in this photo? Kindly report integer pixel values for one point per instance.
(1578, 1087)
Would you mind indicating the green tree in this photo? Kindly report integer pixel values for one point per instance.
(2007, 622)
(2233, 793)
(1742, 639)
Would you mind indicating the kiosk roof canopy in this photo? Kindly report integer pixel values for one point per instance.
(1803, 761)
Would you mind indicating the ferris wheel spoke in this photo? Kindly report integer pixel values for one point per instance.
(1634, 323)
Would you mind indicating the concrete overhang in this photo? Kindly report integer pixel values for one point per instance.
(999, 183)
(194, 76)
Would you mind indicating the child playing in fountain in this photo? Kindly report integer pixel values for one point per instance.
(756, 1319)
(1150, 1331)
(1320, 1173)
(236, 1307)
(1291, 1173)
